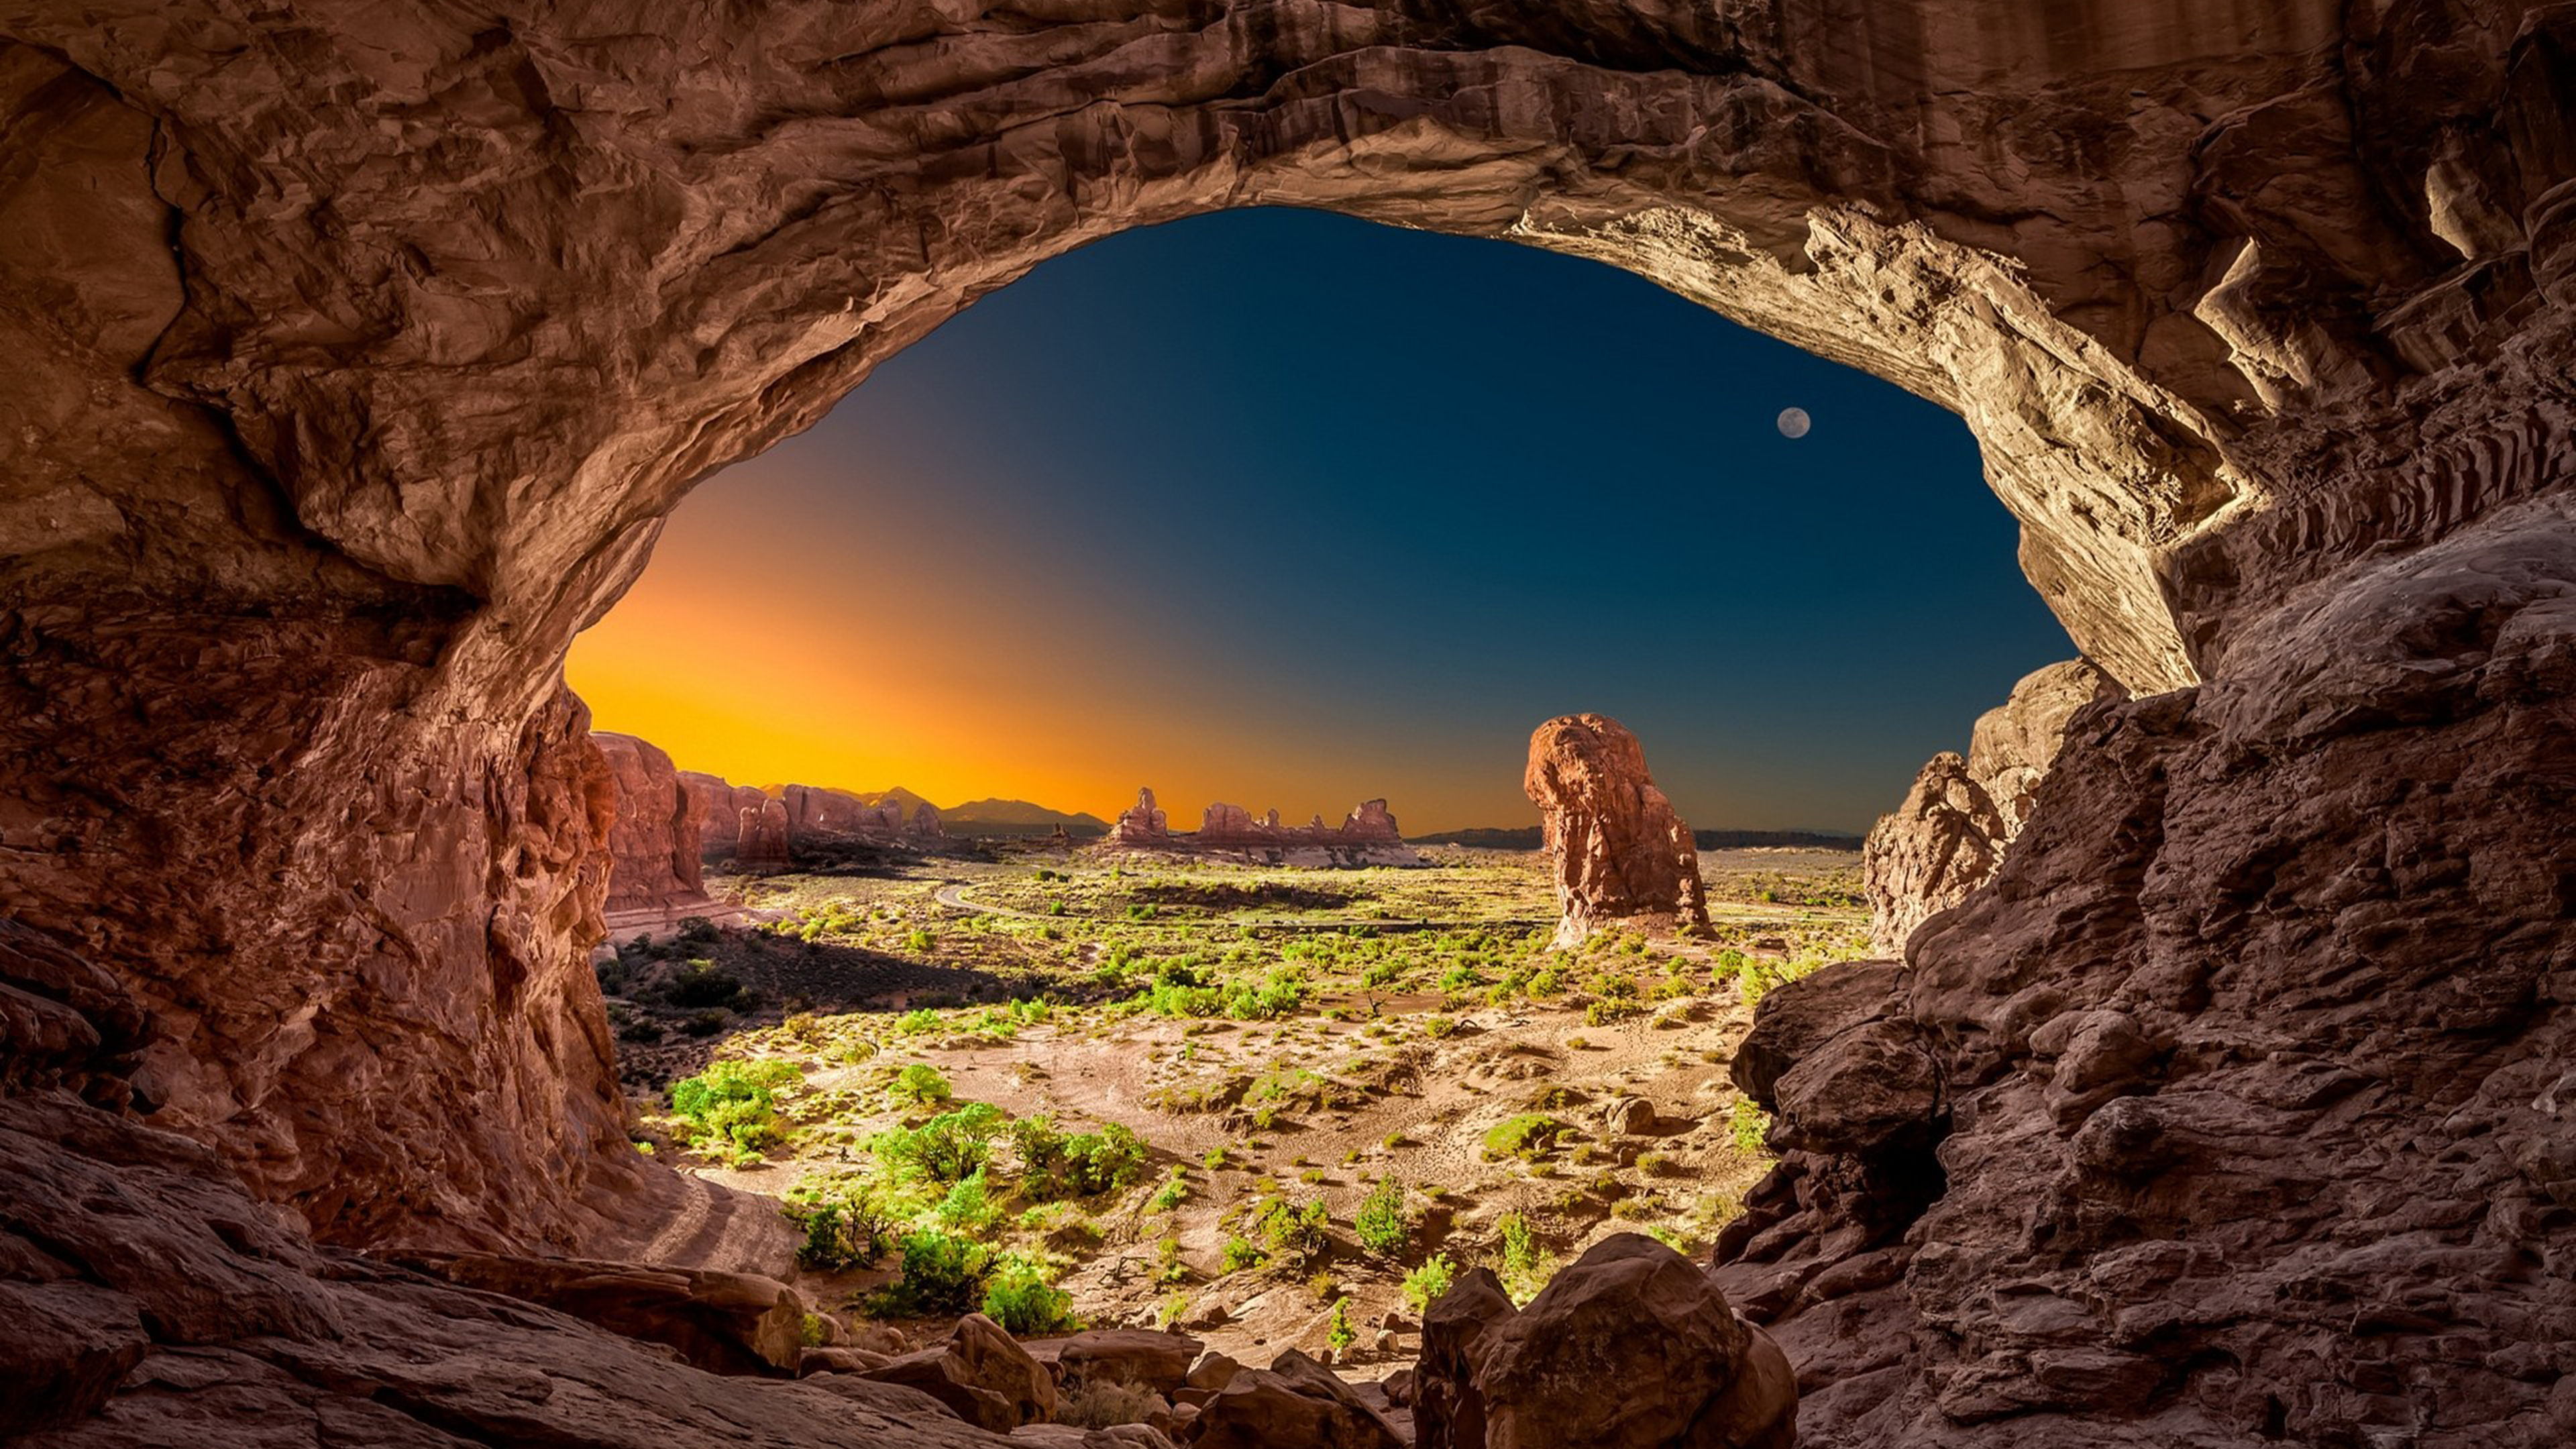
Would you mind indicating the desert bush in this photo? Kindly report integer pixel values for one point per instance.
(730, 1109)
(1055, 1164)
(1337, 1330)
(1294, 1236)
(1103, 1403)
(1752, 1127)
(946, 1149)
(943, 1274)
(1529, 1136)
(920, 1085)
(851, 1229)
(1021, 1297)
(702, 983)
(1424, 1285)
(1383, 1224)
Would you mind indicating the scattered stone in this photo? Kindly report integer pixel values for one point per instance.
(980, 1374)
(1296, 1403)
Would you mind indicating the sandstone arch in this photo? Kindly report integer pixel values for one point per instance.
(353, 354)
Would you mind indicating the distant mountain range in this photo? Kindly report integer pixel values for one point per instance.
(1526, 837)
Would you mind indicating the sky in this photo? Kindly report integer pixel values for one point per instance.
(1286, 509)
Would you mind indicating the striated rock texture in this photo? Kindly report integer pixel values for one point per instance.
(653, 840)
(1945, 840)
(350, 355)
(2251, 1072)
(1617, 849)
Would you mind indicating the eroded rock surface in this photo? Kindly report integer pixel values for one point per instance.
(349, 358)
(1617, 850)
(2253, 1056)
(1951, 832)
(152, 1302)
(654, 844)
(1367, 835)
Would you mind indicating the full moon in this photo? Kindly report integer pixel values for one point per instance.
(1794, 422)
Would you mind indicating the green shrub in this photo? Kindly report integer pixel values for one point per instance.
(1424, 1285)
(921, 940)
(1752, 1127)
(969, 1207)
(946, 1149)
(921, 1085)
(1294, 1235)
(1529, 1136)
(1338, 1331)
(1525, 1268)
(943, 1274)
(1020, 1298)
(852, 1230)
(1382, 1224)
(703, 983)
(730, 1109)
(1239, 1254)
(1055, 1165)
(1174, 1192)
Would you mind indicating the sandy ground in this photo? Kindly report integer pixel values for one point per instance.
(1408, 1078)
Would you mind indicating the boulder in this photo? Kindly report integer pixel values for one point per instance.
(1629, 1116)
(981, 1374)
(1631, 1347)
(1296, 1403)
(727, 1323)
(1447, 1396)
(1136, 1357)
(1615, 848)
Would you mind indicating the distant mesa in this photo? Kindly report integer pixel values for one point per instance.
(1366, 836)
(1615, 847)
(1530, 837)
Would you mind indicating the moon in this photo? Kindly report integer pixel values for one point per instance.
(1794, 422)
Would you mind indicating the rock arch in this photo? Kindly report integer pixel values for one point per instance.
(353, 354)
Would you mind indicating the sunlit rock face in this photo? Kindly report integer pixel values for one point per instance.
(654, 840)
(1616, 850)
(1949, 834)
(351, 354)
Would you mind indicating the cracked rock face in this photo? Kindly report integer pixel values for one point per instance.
(350, 355)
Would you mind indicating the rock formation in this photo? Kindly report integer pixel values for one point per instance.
(1614, 845)
(924, 824)
(653, 841)
(1143, 823)
(762, 841)
(980, 1374)
(351, 356)
(1947, 837)
(1366, 836)
(152, 1301)
(720, 806)
(1631, 1347)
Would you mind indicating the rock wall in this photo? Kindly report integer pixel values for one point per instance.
(1615, 849)
(654, 844)
(2250, 1074)
(1949, 834)
(350, 355)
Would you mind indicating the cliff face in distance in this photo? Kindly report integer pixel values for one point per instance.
(351, 355)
